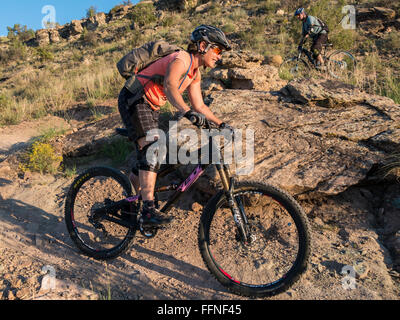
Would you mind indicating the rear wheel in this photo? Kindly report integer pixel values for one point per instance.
(342, 66)
(278, 248)
(108, 235)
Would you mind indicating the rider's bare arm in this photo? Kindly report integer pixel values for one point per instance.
(196, 99)
(175, 72)
(304, 38)
(173, 78)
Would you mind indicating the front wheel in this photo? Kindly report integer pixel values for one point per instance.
(278, 249)
(294, 68)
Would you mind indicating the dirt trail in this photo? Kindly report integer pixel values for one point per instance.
(34, 240)
(16, 137)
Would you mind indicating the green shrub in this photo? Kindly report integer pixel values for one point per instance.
(143, 14)
(91, 12)
(22, 33)
(17, 51)
(44, 54)
(390, 87)
(117, 150)
(89, 38)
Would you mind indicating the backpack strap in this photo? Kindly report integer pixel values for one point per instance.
(191, 63)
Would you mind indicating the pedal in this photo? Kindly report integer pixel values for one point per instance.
(148, 232)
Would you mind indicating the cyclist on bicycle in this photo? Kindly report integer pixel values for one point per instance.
(315, 29)
(205, 49)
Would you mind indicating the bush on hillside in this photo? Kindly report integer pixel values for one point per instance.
(143, 14)
(21, 33)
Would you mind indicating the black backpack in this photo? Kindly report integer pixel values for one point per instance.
(323, 25)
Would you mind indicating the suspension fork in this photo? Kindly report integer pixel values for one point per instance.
(235, 205)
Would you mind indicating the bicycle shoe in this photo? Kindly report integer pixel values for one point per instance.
(151, 217)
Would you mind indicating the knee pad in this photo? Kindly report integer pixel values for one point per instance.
(148, 161)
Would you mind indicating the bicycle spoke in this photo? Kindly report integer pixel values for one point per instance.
(96, 194)
(271, 251)
(342, 66)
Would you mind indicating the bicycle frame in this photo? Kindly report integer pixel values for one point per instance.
(180, 189)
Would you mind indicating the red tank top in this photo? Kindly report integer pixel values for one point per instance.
(154, 92)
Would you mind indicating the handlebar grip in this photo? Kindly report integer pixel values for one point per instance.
(193, 119)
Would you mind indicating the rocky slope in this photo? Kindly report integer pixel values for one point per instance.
(321, 140)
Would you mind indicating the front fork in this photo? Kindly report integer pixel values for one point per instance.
(235, 203)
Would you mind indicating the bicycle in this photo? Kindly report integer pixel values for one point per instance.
(253, 237)
(339, 64)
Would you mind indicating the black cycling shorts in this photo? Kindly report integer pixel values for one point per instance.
(318, 42)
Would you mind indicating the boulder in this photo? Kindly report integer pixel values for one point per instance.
(264, 77)
(94, 22)
(275, 60)
(54, 36)
(364, 14)
(75, 27)
(240, 59)
(42, 37)
(176, 5)
(119, 12)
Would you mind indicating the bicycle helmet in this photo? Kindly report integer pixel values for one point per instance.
(298, 11)
(211, 35)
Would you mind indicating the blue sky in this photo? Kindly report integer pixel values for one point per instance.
(29, 12)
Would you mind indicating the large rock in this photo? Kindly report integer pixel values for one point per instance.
(42, 37)
(311, 148)
(264, 77)
(96, 21)
(119, 12)
(54, 36)
(240, 59)
(176, 5)
(75, 27)
(364, 14)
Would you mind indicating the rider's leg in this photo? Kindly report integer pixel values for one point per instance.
(320, 60)
(316, 48)
(135, 182)
(148, 168)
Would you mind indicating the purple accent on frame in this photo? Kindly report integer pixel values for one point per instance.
(192, 179)
(133, 199)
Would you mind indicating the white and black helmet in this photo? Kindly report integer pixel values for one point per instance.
(211, 35)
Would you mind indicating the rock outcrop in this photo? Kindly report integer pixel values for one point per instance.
(176, 5)
(377, 19)
(312, 137)
(74, 29)
(364, 14)
(243, 70)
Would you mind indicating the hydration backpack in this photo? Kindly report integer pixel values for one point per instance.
(324, 26)
(140, 58)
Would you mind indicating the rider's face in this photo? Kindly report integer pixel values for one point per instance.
(212, 56)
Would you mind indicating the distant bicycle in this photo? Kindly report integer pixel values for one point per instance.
(339, 64)
(253, 237)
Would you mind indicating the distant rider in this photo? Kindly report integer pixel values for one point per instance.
(313, 28)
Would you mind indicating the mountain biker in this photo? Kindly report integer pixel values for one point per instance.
(313, 28)
(204, 50)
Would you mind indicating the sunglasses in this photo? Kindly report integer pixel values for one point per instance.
(216, 49)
